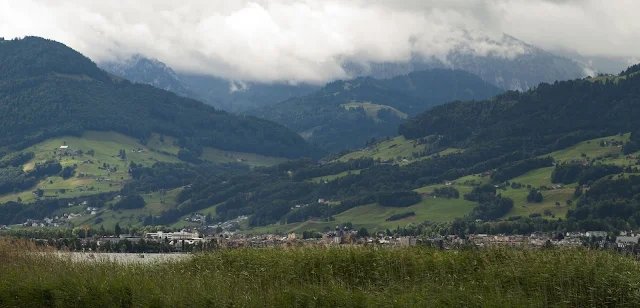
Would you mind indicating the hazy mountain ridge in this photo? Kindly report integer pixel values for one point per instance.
(229, 95)
(525, 68)
(149, 71)
(513, 65)
(346, 114)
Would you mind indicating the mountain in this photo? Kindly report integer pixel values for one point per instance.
(529, 67)
(230, 95)
(347, 114)
(521, 158)
(561, 157)
(524, 66)
(48, 89)
(239, 96)
(149, 71)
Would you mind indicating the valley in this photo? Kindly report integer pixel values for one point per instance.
(319, 154)
(422, 163)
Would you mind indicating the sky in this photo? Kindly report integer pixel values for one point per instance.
(283, 40)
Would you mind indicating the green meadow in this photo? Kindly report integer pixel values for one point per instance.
(106, 147)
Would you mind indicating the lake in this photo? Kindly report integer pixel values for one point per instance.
(123, 257)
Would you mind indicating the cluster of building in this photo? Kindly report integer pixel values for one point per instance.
(46, 222)
(539, 239)
(66, 151)
(533, 240)
(327, 239)
(197, 217)
(229, 224)
(57, 221)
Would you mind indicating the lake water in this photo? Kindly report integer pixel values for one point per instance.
(123, 257)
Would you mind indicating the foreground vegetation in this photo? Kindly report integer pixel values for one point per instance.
(320, 277)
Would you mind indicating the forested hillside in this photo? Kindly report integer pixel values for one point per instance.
(47, 89)
(548, 117)
(347, 114)
(506, 137)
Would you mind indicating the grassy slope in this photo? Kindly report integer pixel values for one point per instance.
(386, 150)
(372, 109)
(156, 202)
(392, 149)
(328, 178)
(371, 216)
(107, 145)
(612, 78)
(374, 216)
(591, 148)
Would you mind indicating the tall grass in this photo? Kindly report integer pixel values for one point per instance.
(327, 277)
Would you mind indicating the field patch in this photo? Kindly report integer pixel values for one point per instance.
(372, 110)
(550, 197)
(591, 148)
(329, 178)
(536, 178)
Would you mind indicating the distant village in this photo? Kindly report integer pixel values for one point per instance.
(225, 239)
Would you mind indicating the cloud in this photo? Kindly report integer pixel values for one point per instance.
(283, 40)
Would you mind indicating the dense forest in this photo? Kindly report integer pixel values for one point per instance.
(47, 90)
(551, 116)
(325, 120)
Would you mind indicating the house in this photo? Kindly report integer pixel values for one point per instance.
(623, 241)
(596, 234)
(64, 147)
(321, 200)
(407, 241)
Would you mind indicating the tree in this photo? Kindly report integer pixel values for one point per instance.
(534, 196)
(629, 147)
(578, 192)
(117, 230)
(67, 172)
(363, 232)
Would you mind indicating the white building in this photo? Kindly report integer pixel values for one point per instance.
(596, 234)
(623, 241)
(182, 235)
